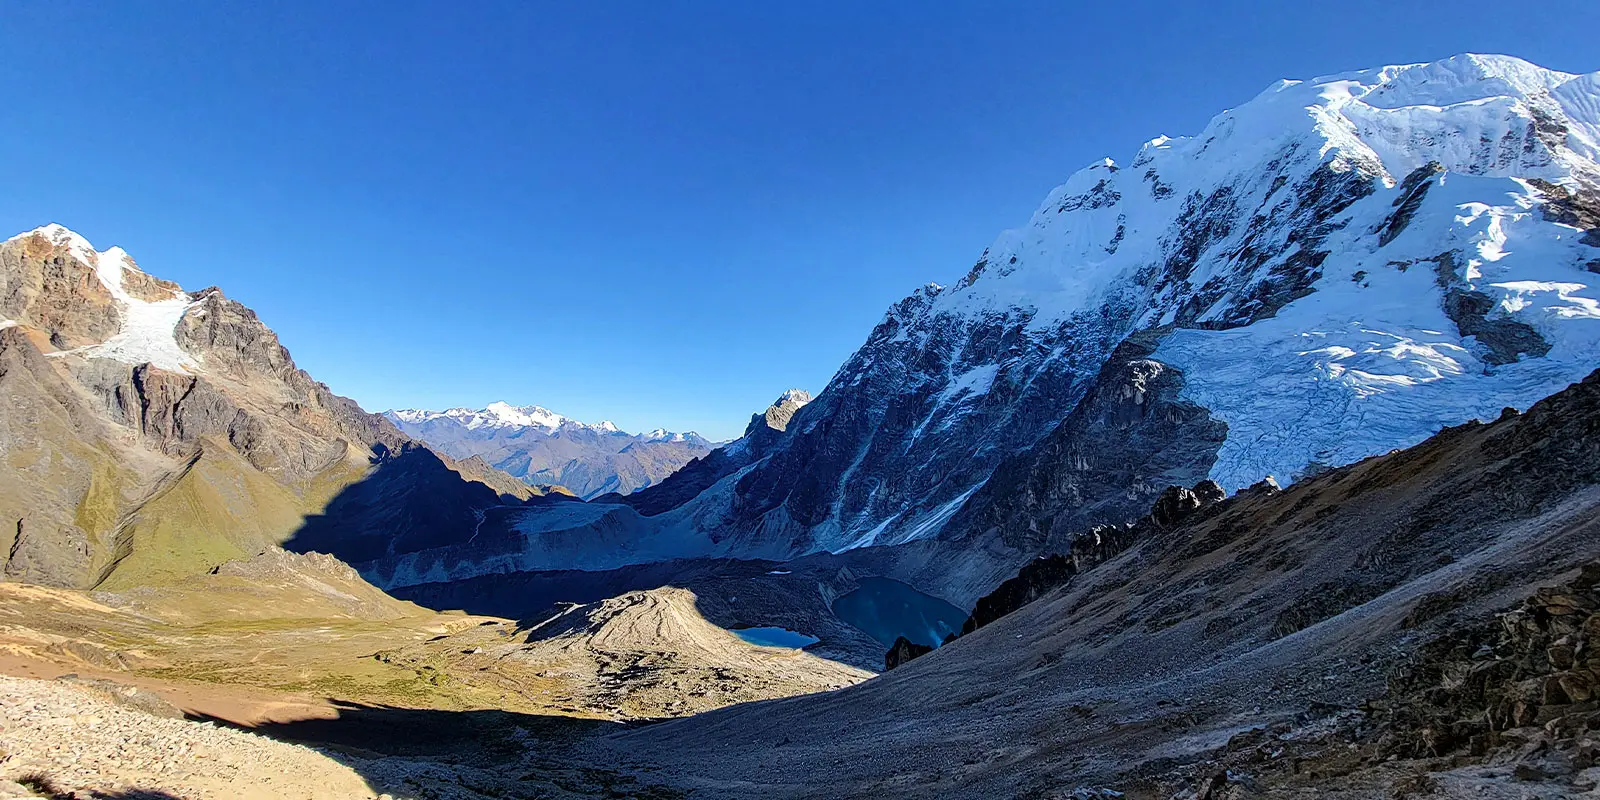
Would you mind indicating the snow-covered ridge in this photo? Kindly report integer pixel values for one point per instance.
(1369, 355)
(147, 325)
(1479, 115)
(797, 397)
(1337, 267)
(502, 415)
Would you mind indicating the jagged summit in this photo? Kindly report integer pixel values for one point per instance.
(798, 397)
(782, 410)
(148, 309)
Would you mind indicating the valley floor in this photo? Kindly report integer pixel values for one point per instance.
(315, 685)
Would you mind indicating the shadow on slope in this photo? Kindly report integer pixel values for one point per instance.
(730, 593)
(49, 789)
(410, 501)
(1268, 611)
(465, 754)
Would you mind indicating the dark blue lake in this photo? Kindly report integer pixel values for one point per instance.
(886, 609)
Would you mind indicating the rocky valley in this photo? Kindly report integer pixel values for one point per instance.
(1263, 463)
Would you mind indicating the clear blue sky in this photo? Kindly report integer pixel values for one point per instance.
(661, 214)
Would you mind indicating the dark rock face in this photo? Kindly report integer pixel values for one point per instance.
(1045, 574)
(1532, 665)
(1580, 209)
(1412, 191)
(409, 502)
(903, 650)
(1130, 437)
(760, 436)
(1504, 340)
(1041, 575)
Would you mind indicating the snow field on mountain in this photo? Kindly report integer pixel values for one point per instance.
(147, 326)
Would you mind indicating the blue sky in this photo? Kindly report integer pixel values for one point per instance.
(660, 216)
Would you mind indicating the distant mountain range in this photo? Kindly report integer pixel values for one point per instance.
(543, 448)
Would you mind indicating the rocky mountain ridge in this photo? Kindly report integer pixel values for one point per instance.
(152, 433)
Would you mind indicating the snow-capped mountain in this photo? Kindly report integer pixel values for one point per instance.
(1338, 267)
(540, 446)
(155, 433)
(499, 415)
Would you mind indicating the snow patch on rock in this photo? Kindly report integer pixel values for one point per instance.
(147, 330)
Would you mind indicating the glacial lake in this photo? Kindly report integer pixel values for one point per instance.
(886, 609)
(775, 637)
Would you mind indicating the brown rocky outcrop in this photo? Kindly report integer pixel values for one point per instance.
(1047, 573)
(1535, 667)
(44, 286)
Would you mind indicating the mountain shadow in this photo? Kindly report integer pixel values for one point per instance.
(410, 501)
(49, 789)
(466, 754)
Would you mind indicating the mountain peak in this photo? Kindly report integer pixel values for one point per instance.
(1378, 254)
(506, 415)
(793, 397)
(62, 236)
(147, 310)
(782, 410)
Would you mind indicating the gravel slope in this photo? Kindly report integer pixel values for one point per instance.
(72, 739)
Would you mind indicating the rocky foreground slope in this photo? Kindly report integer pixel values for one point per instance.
(299, 648)
(151, 433)
(1419, 622)
(1335, 636)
